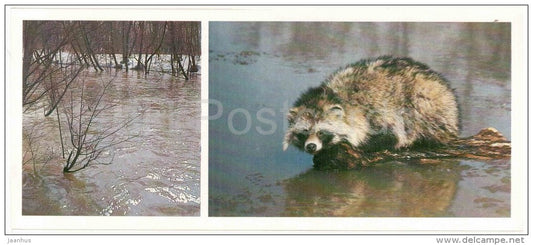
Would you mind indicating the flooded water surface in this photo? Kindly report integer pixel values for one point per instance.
(155, 172)
(257, 70)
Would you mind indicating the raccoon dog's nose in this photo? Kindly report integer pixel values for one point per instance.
(311, 147)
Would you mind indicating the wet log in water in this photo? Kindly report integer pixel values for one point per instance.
(488, 144)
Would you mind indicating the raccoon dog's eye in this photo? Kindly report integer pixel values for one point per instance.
(302, 136)
(325, 136)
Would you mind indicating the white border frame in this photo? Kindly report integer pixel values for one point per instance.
(18, 224)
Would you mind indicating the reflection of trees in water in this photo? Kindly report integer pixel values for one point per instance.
(499, 50)
(316, 39)
(323, 40)
(483, 52)
(402, 38)
(483, 48)
(297, 40)
(376, 39)
(249, 34)
(384, 190)
(491, 45)
(369, 38)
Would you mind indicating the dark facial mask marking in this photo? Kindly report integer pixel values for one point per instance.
(325, 137)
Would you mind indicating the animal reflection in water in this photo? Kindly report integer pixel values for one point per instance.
(387, 190)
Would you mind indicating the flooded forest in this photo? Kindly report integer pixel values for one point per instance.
(111, 113)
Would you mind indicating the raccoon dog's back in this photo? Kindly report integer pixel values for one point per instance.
(400, 95)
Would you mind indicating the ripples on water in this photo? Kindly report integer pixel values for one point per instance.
(155, 173)
(267, 65)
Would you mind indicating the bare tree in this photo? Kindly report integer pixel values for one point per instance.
(86, 141)
(42, 75)
(89, 40)
(158, 33)
(140, 32)
(183, 45)
(125, 30)
(192, 45)
(176, 35)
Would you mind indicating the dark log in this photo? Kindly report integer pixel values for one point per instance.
(488, 144)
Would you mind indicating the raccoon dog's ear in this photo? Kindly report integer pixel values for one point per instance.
(293, 112)
(336, 110)
(291, 117)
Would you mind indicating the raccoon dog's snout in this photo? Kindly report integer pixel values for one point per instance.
(311, 147)
(313, 144)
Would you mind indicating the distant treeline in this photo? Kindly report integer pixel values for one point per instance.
(125, 42)
(56, 52)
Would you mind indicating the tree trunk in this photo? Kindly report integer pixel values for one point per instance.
(148, 59)
(173, 68)
(180, 66)
(126, 27)
(139, 65)
(117, 65)
(194, 68)
(488, 144)
(90, 52)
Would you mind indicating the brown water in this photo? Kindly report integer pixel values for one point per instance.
(155, 173)
(257, 70)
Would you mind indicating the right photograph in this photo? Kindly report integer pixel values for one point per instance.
(360, 119)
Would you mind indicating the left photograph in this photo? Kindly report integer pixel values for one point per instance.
(111, 118)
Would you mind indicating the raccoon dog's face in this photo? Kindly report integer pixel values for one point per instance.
(314, 129)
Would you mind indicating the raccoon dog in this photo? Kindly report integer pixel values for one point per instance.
(391, 96)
